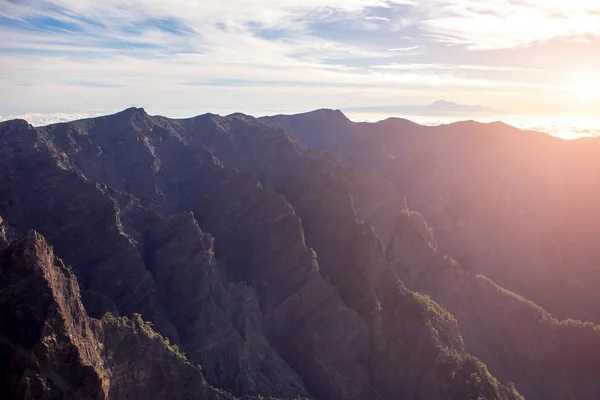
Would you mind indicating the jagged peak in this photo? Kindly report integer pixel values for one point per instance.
(127, 113)
(132, 110)
(327, 113)
(34, 247)
(133, 116)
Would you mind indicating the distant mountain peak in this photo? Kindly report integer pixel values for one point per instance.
(133, 110)
(327, 113)
(132, 116)
(444, 105)
(435, 108)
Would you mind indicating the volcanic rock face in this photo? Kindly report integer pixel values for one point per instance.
(523, 201)
(47, 343)
(51, 349)
(127, 268)
(484, 231)
(206, 227)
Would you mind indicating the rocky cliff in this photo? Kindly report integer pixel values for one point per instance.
(241, 248)
(51, 349)
(484, 232)
(517, 206)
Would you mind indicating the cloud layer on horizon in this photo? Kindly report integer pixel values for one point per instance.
(563, 127)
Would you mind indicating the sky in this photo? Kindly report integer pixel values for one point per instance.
(71, 58)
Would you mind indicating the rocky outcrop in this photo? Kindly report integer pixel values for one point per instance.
(308, 323)
(48, 346)
(143, 365)
(220, 325)
(51, 349)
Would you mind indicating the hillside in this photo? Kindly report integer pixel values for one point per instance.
(487, 235)
(240, 247)
(517, 206)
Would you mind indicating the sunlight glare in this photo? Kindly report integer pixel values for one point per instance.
(586, 87)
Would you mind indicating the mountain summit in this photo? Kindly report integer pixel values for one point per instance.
(447, 106)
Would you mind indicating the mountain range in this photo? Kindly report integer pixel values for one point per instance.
(296, 256)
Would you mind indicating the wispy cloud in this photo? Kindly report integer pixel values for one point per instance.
(254, 55)
(496, 24)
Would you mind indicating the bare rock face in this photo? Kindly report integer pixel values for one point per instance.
(517, 206)
(351, 258)
(306, 320)
(163, 269)
(220, 324)
(51, 349)
(143, 365)
(485, 233)
(241, 248)
(48, 346)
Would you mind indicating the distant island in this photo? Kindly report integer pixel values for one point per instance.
(435, 108)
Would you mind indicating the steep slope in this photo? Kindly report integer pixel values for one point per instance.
(51, 349)
(363, 335)
(479, 185)
(190, 180)
(501, 328)
(119, 264)
(518, 340)
(350, 256)
(510, 241)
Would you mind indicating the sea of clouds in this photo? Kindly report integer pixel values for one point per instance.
(564, 126)
(40, 119)
(567, 127)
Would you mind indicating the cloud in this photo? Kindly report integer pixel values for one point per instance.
(467, 67)
(40, 119)
(183, 56)
(484, 25)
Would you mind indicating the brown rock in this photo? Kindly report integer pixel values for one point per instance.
(51, 349)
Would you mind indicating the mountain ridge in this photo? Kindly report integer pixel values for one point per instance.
(131, 171)
(280, 246)
(432, 189)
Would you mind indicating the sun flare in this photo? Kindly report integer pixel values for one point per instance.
(586, 87)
